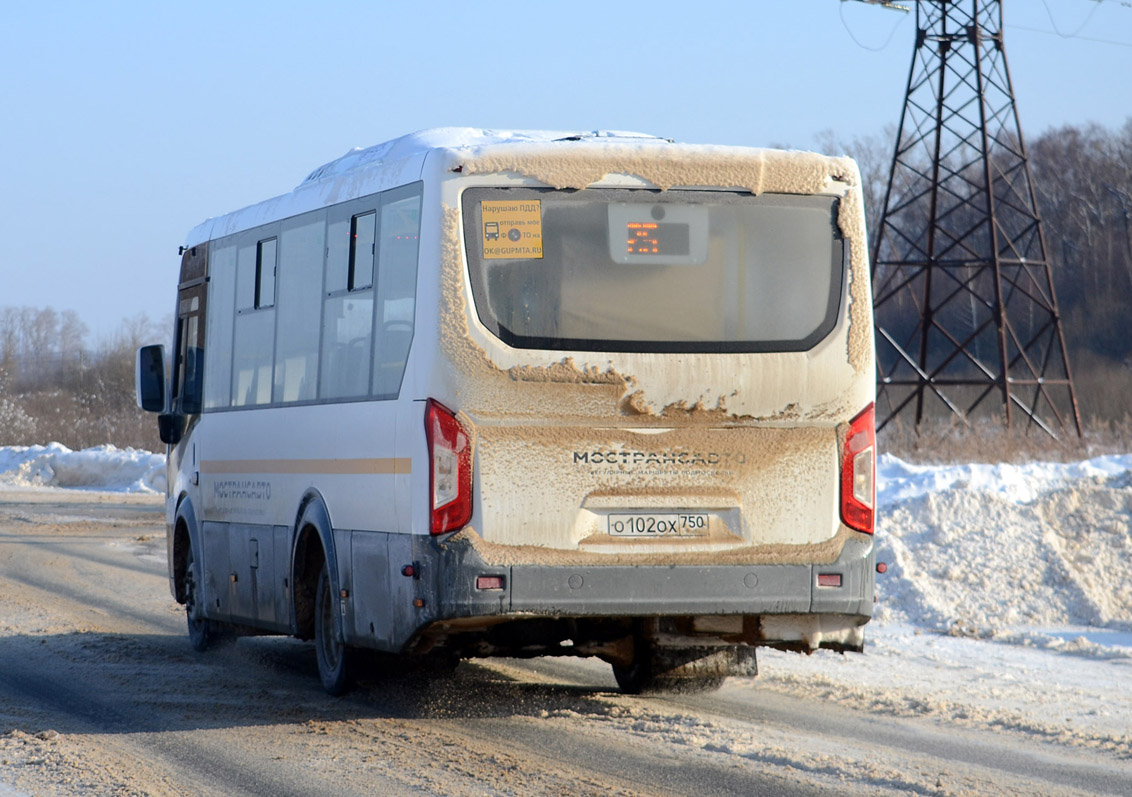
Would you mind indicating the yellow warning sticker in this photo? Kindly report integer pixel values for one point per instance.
(512, 229)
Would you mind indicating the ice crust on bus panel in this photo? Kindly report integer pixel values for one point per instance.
(641, 370)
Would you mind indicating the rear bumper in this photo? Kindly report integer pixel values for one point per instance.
(648, 590)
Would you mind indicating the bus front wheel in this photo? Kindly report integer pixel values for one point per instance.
(202, 632)
(332, 654)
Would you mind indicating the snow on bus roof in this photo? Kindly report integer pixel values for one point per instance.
(422, 141)
(355, 173)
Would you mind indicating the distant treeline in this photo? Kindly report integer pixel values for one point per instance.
(55, 386)
(1083, 178)
(1083, 181)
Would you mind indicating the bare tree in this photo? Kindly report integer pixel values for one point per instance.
(41, 337)
(10, 343)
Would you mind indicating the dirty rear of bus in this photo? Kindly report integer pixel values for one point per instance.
(470, 393)
(649, 407)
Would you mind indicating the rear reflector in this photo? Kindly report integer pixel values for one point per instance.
(489, 582)
(858, 472)
(829, 579)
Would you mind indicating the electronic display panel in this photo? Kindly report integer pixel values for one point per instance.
(664, 234)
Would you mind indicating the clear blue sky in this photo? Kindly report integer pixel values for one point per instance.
(124, 124)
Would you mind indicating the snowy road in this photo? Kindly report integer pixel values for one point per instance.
(100, 694)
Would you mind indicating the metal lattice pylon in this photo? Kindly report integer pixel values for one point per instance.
(964, 297)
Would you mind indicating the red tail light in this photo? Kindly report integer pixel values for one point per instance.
(450, 478)
(858, 473)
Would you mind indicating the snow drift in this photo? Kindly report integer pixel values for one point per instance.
(101, 468)
(975, 550)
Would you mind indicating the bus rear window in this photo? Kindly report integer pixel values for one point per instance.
(650, 271)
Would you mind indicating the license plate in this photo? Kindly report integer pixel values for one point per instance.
(665, 524)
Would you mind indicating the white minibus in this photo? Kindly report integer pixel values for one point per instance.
(522, 393)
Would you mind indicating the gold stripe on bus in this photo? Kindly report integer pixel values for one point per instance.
(381, 465)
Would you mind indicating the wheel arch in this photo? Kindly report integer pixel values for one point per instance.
(312, 546)
(186, 534)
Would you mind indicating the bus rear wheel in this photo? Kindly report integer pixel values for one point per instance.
(334, 657)
(661, 671)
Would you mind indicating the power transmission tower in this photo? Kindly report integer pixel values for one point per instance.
(965, 305)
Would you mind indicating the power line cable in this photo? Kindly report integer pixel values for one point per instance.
(1081, 27)
(1081, 38)
(858, 42)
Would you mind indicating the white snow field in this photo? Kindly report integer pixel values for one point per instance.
(1007, 602)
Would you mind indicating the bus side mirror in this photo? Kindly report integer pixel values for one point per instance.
(150, 378)
(170, 427)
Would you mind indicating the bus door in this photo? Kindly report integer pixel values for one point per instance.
(187, 377)
(188, 370)
(188, 365)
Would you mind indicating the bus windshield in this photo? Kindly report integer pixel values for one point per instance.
(650, 271)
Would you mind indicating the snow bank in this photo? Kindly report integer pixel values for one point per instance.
(1001, 550)
(101, 468)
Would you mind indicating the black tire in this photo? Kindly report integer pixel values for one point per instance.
(334, 657)
(202, 632)
(634, 679)
(642, 676)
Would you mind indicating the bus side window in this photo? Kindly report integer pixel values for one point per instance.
(194, 371)
(219, 326)
(253, 345)
(397, 289)
(347, 316)
(302, 243)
